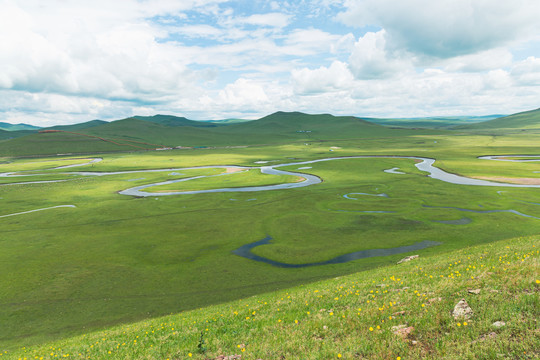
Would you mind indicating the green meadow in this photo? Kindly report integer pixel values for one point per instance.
(349, 317)
(112, 259)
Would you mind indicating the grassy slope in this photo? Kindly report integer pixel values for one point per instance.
(280, 127)
(16, 127)
(171, 120)
(76, 127)
(321, 127)
(524, 120)
(102, 275)
(56, 143)
(433, 122)
(352, 316)
(5, 134)
(277, 128)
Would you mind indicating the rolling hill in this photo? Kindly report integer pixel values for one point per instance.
(6, 135)
(305, 127)
(151, 132)
(17, 127)
(171, 120)
(138, 133)
(80, 126)
(527, 120)
(433, 122)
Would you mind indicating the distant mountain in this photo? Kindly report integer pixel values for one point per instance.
(227, 121)
(526, 120)
(17, 127)
(300, 125)
(171, 120)
(74, 127)
(153, 132)
(435, 122)
(6, 135)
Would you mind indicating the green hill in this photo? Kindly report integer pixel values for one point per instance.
(171, 120)
(169, 131)
(301, 126)
(17, 127)
(58, 143)
(158, 135)
(226, 121)
(527, 120)
(6, 135)
(433, 122)
(75, 127)
(402, 311)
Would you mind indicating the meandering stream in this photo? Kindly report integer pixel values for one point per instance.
(245, 251)
(424, 164)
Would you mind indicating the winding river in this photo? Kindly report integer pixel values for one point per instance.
(423, 164)
(245, 251)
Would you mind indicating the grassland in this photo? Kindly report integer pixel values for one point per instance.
(350, 317)
(115, 259)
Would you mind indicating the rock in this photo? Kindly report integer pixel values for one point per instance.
(484, 337)
(475, 291)
(462, 310)
(398, 327)
(408, 258)
(434, 300)
(498, 324)
(402, 330)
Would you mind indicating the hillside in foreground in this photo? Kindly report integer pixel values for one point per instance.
(403, 311)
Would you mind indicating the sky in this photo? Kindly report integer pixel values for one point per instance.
(69, 61)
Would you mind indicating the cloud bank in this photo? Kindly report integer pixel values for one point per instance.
(73, 60)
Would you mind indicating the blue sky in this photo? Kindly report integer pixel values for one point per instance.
(68, 61)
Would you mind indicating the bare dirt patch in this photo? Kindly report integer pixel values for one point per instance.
(521, 181)
(232, 170)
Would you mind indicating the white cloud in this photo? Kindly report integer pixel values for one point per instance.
(345, 44)
(117, 61)
(323, 79)
(482, 61)
(198, 31)
(446, 28)
(370, 58)
(527, 72)
(278, 20)
(243, 93)
(303, 42)
(72, 60)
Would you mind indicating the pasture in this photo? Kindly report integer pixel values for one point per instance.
(111, 259)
